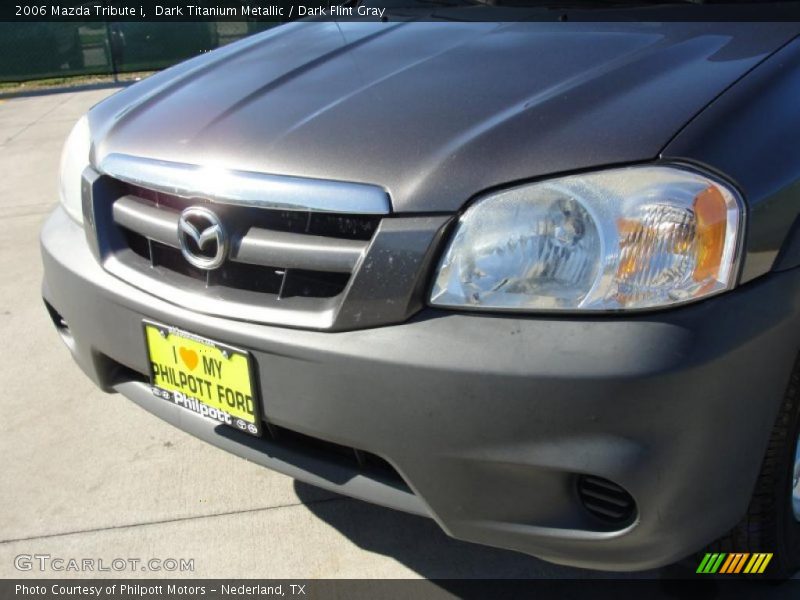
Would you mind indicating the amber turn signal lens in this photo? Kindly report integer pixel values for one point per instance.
(711, 212)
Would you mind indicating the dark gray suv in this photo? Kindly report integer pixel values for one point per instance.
(537, 281)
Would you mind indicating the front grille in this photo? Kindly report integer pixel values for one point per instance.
(606, 500)
(137, 210)
(283, 283)
(289, 260)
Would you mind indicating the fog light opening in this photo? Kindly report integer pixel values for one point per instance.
(606, 501)
(61, 325)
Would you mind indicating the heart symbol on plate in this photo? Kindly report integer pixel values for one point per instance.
(189, 357)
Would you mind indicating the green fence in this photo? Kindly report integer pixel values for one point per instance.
(43, 50)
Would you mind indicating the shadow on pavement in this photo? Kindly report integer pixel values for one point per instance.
(419, 543)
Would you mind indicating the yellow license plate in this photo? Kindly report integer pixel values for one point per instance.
(211, 379)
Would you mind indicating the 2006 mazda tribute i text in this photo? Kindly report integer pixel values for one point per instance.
(537, 281)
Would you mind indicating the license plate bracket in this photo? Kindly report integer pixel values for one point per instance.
(209, 378)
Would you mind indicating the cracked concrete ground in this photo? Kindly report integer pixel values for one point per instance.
(90, 475)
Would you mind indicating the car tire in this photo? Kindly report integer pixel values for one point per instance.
(770, 524)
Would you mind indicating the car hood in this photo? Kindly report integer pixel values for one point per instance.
(433, 112)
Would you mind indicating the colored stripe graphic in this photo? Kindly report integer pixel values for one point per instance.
(751, 564)
(765, 563)
(711, 562)
(717, 564)
(741, 563)
(728, 561)
(758, 563)
(703, 563)
(734, 562)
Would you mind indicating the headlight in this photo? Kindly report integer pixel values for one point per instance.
(74, 159)
(630, 238)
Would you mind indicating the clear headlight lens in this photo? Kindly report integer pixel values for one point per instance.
(630, 238)
(74, 159)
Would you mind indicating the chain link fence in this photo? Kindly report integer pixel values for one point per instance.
(44, 50)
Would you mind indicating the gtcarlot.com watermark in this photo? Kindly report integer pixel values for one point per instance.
(44, 563)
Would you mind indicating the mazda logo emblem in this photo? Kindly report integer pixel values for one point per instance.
(203, 240)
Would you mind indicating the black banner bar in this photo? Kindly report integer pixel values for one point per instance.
(349, 589)
(280, 11)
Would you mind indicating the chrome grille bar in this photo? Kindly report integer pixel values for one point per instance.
(262, 190)
(145, 219)
(297, 251)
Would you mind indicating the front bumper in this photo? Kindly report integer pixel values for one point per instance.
(489, 419)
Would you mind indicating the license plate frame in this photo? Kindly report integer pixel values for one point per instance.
(243, 415)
